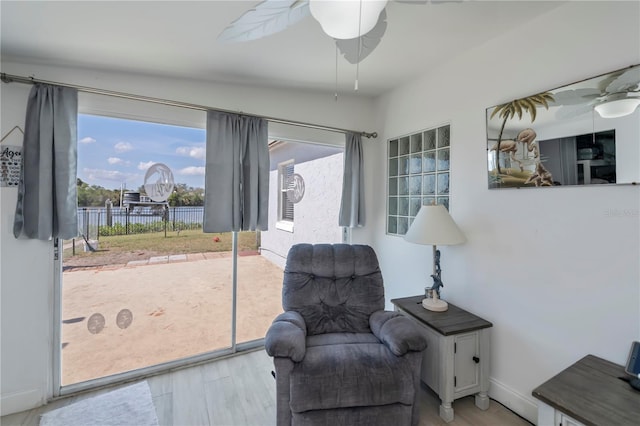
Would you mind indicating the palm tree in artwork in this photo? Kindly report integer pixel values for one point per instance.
(519, 106)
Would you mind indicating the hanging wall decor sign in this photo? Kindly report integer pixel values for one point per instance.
(10, 160)
(10, 165)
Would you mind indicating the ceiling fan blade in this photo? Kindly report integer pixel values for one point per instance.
(627, 81)
(368, 42)
(568, 112)
(574, 97)
(266, 18)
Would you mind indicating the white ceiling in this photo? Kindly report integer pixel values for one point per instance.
(178, 38)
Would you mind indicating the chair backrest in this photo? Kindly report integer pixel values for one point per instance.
(335, 287)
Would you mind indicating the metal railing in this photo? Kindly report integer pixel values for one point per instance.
(96, 222)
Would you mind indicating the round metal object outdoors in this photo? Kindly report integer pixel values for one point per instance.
(295, 188)
(158, 182)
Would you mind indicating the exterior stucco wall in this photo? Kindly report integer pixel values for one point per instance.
(315, 216)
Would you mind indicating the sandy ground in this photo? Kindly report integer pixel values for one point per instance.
(126, 317)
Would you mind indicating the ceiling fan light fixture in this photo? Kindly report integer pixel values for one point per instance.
(618, 107)
(342, 19)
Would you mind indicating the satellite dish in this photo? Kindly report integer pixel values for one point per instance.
(158, 182)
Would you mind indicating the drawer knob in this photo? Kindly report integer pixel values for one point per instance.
(476, 359)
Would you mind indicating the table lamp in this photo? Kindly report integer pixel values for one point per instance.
(434, 226)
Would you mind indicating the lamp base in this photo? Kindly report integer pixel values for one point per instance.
(436, 305)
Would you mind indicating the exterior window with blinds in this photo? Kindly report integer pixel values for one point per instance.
(285, 206)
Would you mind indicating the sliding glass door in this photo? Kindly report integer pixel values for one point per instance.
(142, 285)
(142, 288)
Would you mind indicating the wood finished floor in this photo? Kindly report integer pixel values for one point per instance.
(240, 391)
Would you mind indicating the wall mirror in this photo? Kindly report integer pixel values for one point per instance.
(584, 133)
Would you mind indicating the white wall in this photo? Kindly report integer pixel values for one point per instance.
(27, 266)
(26, 290)
(554, 269)
(315, 217)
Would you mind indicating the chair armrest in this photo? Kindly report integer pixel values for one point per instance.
(397, 332)
(286, 338)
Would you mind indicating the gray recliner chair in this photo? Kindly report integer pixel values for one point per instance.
(339, 358)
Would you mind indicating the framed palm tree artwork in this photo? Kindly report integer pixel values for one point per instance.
(580, 134)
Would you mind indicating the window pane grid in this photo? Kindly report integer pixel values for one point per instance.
(417, 174)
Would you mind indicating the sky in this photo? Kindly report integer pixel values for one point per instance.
(114, 151)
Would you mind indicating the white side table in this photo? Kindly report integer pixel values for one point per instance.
(456, 361)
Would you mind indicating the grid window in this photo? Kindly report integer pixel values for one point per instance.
(417, 174)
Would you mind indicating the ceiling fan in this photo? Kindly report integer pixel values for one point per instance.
(356, 25)
(615, 95)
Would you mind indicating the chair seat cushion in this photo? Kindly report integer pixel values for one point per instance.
(340, 375)
(341, 339)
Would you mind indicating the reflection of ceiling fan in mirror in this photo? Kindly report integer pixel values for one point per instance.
(356, 25)
(614, 95)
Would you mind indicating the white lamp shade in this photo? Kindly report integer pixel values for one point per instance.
(341, 19)
(617, 108)
(434, 226)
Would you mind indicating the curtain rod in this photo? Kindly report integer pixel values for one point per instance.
(8, 78)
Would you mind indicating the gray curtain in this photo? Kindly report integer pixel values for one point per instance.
(352, 205)
(237, 173)
(47, 198)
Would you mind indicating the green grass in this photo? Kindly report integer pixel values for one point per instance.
(188, 241)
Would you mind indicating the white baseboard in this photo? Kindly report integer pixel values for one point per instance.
(21, 401)
(514, 401)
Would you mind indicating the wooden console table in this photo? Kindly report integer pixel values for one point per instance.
(590, 392)
(456, 361)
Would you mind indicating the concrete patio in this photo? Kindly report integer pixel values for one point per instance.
(122, 317)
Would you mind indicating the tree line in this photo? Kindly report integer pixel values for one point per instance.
(97, 196)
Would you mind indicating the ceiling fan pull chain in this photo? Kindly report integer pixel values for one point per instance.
(359, 46)
(336, 93)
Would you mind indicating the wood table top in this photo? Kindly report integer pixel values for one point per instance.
(454, 320)
(592, 392)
